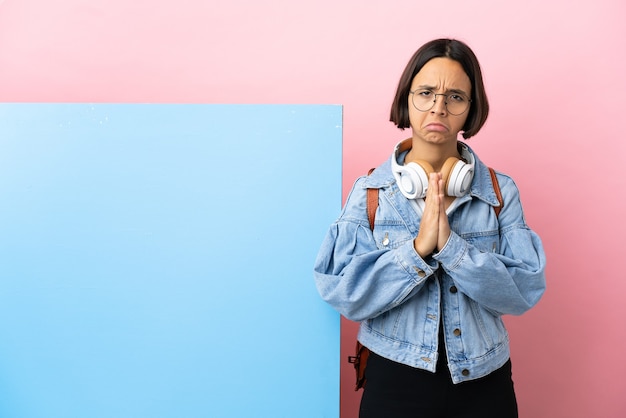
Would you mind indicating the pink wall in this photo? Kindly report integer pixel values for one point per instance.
(554, 72)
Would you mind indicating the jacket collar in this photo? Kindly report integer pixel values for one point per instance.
(481, 188)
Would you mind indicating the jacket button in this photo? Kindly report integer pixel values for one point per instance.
(453, 289)
(457, 332)
(465, 372)
(420, 273)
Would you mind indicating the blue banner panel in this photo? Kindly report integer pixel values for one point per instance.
(156, 260)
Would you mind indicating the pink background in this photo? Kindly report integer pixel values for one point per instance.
(554, 72)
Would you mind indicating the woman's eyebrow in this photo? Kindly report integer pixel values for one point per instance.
(457, 91)
(427, 87)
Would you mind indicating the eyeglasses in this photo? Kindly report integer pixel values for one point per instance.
(456, 103)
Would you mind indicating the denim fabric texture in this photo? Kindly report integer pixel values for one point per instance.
(489, 267)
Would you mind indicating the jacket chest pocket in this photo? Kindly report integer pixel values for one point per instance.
(391, 235)
(488, 242)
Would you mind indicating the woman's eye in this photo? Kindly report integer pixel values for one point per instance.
(425, 93)
(456, 98)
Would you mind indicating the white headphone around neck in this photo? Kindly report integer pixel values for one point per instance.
(412, 177)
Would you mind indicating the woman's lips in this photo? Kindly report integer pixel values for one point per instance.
(436, 127)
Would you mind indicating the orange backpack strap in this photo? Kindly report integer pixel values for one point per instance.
(372, 203)
(359, 360)
(496, 188)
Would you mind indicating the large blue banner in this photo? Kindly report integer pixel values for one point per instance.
(156, 260)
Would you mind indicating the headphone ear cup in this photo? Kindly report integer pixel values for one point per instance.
(413, 182)
(458, 176)
(446, 170)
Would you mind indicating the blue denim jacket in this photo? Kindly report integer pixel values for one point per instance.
(489, 267)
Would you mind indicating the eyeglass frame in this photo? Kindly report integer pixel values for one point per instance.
(445, 102)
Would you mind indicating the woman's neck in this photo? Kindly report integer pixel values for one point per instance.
(434, 154)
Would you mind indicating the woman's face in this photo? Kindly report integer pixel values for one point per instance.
(438, 76)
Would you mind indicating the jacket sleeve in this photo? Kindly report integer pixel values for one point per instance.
(357, 278)
(510, 281)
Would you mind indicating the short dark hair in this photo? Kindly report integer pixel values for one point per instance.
(447, 48)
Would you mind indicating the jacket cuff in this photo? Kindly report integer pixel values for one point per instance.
(418, 267)
(453, 252)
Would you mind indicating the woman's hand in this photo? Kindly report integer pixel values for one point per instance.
(434, 227)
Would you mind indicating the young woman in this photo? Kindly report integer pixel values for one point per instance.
(431, 281)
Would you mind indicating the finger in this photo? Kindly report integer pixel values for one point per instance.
(433, 186)
(428, 235)
(442, 192)
(443, 230)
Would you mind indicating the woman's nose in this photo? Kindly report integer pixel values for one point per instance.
(439, 106)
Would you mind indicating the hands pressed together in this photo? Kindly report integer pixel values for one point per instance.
(434, 227)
